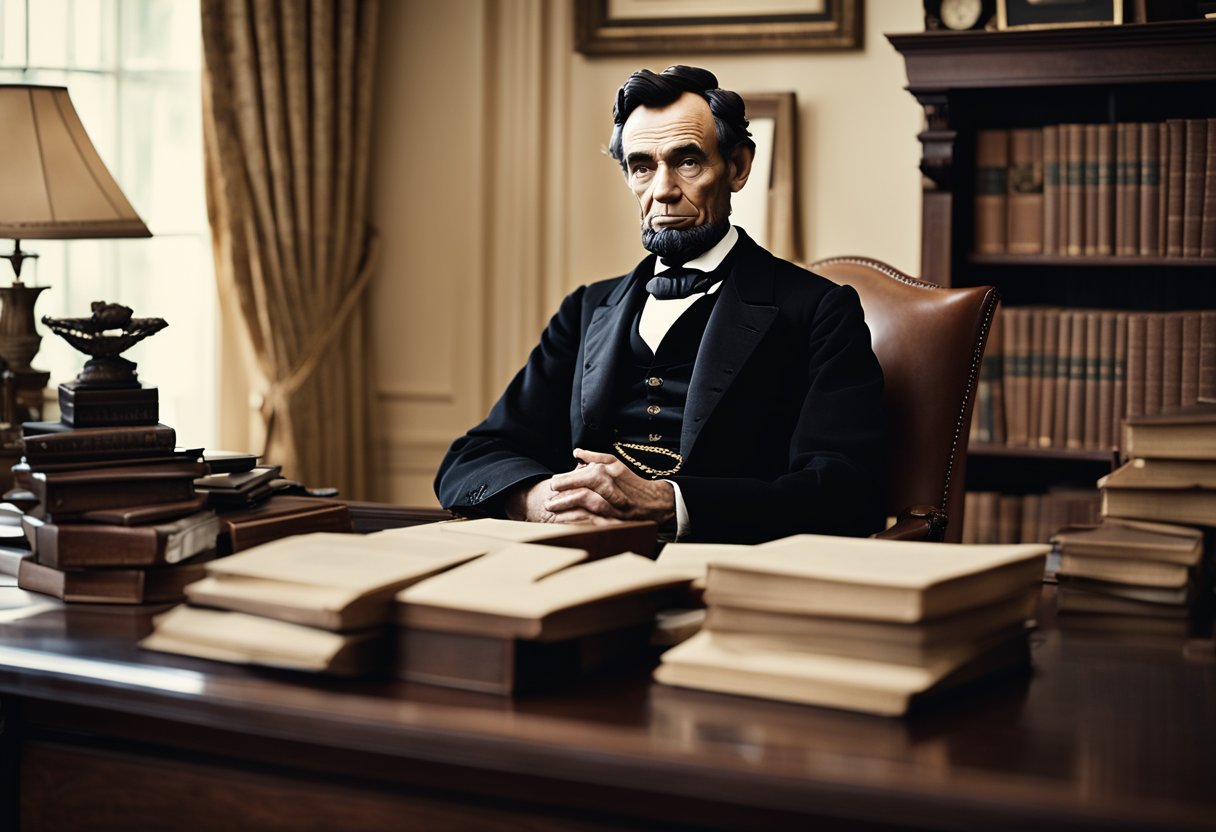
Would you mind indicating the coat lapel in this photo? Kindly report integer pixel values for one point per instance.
(739, 321)
(606, 347)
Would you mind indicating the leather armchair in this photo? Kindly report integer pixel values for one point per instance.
(929, 341)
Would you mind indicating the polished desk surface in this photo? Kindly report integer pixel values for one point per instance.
(1108, 732)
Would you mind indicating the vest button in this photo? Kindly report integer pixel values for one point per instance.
(654, 410)
(654, 381)
(655, 437)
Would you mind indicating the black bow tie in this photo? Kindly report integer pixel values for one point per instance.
(679, 282)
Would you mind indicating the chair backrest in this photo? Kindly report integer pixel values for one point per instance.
(929, 341)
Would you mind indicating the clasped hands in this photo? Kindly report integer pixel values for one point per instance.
(601, 489)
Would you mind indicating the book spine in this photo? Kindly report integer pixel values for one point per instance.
(1059, 421)
(1107, 181)
(996, 340)
(89, 545)
(1119, 385)
(1131, 219)
(1075, 426)
(1051, 188)
(1150, 189)
(1089, 188)
(1189, 383)
(1016, 364)
(1034, 381)
(1175, 181)
(1051, 335)
(1025, 212)
(1120, 229)
(1103, 412)
(1075, 188)
(61, 500)
(1207, 232)
(991, 190)
(1171, 360)
(1193, 183)
(84, 444)
(1093, 346)
(1154, 352)
(1163, 194)
(1137, 349)
(1207, 355)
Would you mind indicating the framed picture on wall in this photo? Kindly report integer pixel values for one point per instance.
(630, 27)
(767, 207)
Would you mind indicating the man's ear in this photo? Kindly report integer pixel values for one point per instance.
(740, 167)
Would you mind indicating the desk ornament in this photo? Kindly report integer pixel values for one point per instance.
(107, 391)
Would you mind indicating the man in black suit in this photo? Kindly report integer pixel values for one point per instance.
(726, 394)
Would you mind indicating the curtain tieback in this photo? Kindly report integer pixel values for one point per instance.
(277, 392)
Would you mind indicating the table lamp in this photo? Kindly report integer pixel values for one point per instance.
(53, 186)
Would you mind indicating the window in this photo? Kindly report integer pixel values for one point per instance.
(132, 68)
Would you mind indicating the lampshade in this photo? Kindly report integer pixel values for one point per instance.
(53, 185)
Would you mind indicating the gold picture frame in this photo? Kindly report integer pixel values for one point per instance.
(632, 27)
(1057, 14)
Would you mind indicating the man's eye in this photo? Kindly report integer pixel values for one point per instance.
(641, 170)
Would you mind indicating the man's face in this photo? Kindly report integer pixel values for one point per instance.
(674, 167)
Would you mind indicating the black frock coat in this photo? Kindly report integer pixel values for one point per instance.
(783, 428)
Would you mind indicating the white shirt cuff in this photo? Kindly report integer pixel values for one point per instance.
(682, 523)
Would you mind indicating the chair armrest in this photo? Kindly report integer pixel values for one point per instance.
(922, 523)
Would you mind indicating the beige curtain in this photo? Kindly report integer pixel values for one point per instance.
(287, 115)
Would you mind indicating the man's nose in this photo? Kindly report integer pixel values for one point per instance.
(666, 185)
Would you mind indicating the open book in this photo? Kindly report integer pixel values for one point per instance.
(333, 581)
(543, 593)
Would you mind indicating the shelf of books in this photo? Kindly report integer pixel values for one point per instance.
(1075, 170)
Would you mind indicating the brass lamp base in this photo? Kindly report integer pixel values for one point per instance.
(19, 341)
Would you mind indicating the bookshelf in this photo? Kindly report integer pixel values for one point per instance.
(968, 82)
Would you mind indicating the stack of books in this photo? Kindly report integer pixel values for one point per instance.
(867, 625)
(534, 615)
(318, 602)
(1128, 576)
(326, 602)
(117, 518)
(1134, 563)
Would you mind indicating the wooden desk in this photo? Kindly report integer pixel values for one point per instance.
(105, 736)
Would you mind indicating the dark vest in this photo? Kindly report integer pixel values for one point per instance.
(653, 410)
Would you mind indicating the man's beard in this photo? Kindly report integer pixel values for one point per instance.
(679, 245)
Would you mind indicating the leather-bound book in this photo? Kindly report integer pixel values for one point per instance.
(1035, 373)
(991, 190)
(996, 349)
(280, 516)
(1175, 182)
(1163, 192)
(84, 545)
(1059, 421)
(1207, 232)
(1154, 355)
(1017, 350)
(1047, 394)
(1025, 231)
(1104, 410)
(1093, 366)
(1089, 188)
(45, 442)
(1075, 187)
(1150, 189)
(1130, 222)
(1171, 360)
(1075, 426)
(1193, 185)
(1207, 355)
(68, 494)
(1189, 383)
(1137, 353)
(1051, 189)
(1119, 374)
(157, 584)
(1105, 208)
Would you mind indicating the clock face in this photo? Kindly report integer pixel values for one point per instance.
(961, 14)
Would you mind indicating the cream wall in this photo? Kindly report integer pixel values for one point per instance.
(494, 198)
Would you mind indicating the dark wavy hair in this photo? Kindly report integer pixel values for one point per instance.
(648, 89)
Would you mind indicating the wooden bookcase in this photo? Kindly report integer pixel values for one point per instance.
(971, 81)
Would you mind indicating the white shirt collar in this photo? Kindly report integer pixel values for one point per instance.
(711, 259)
